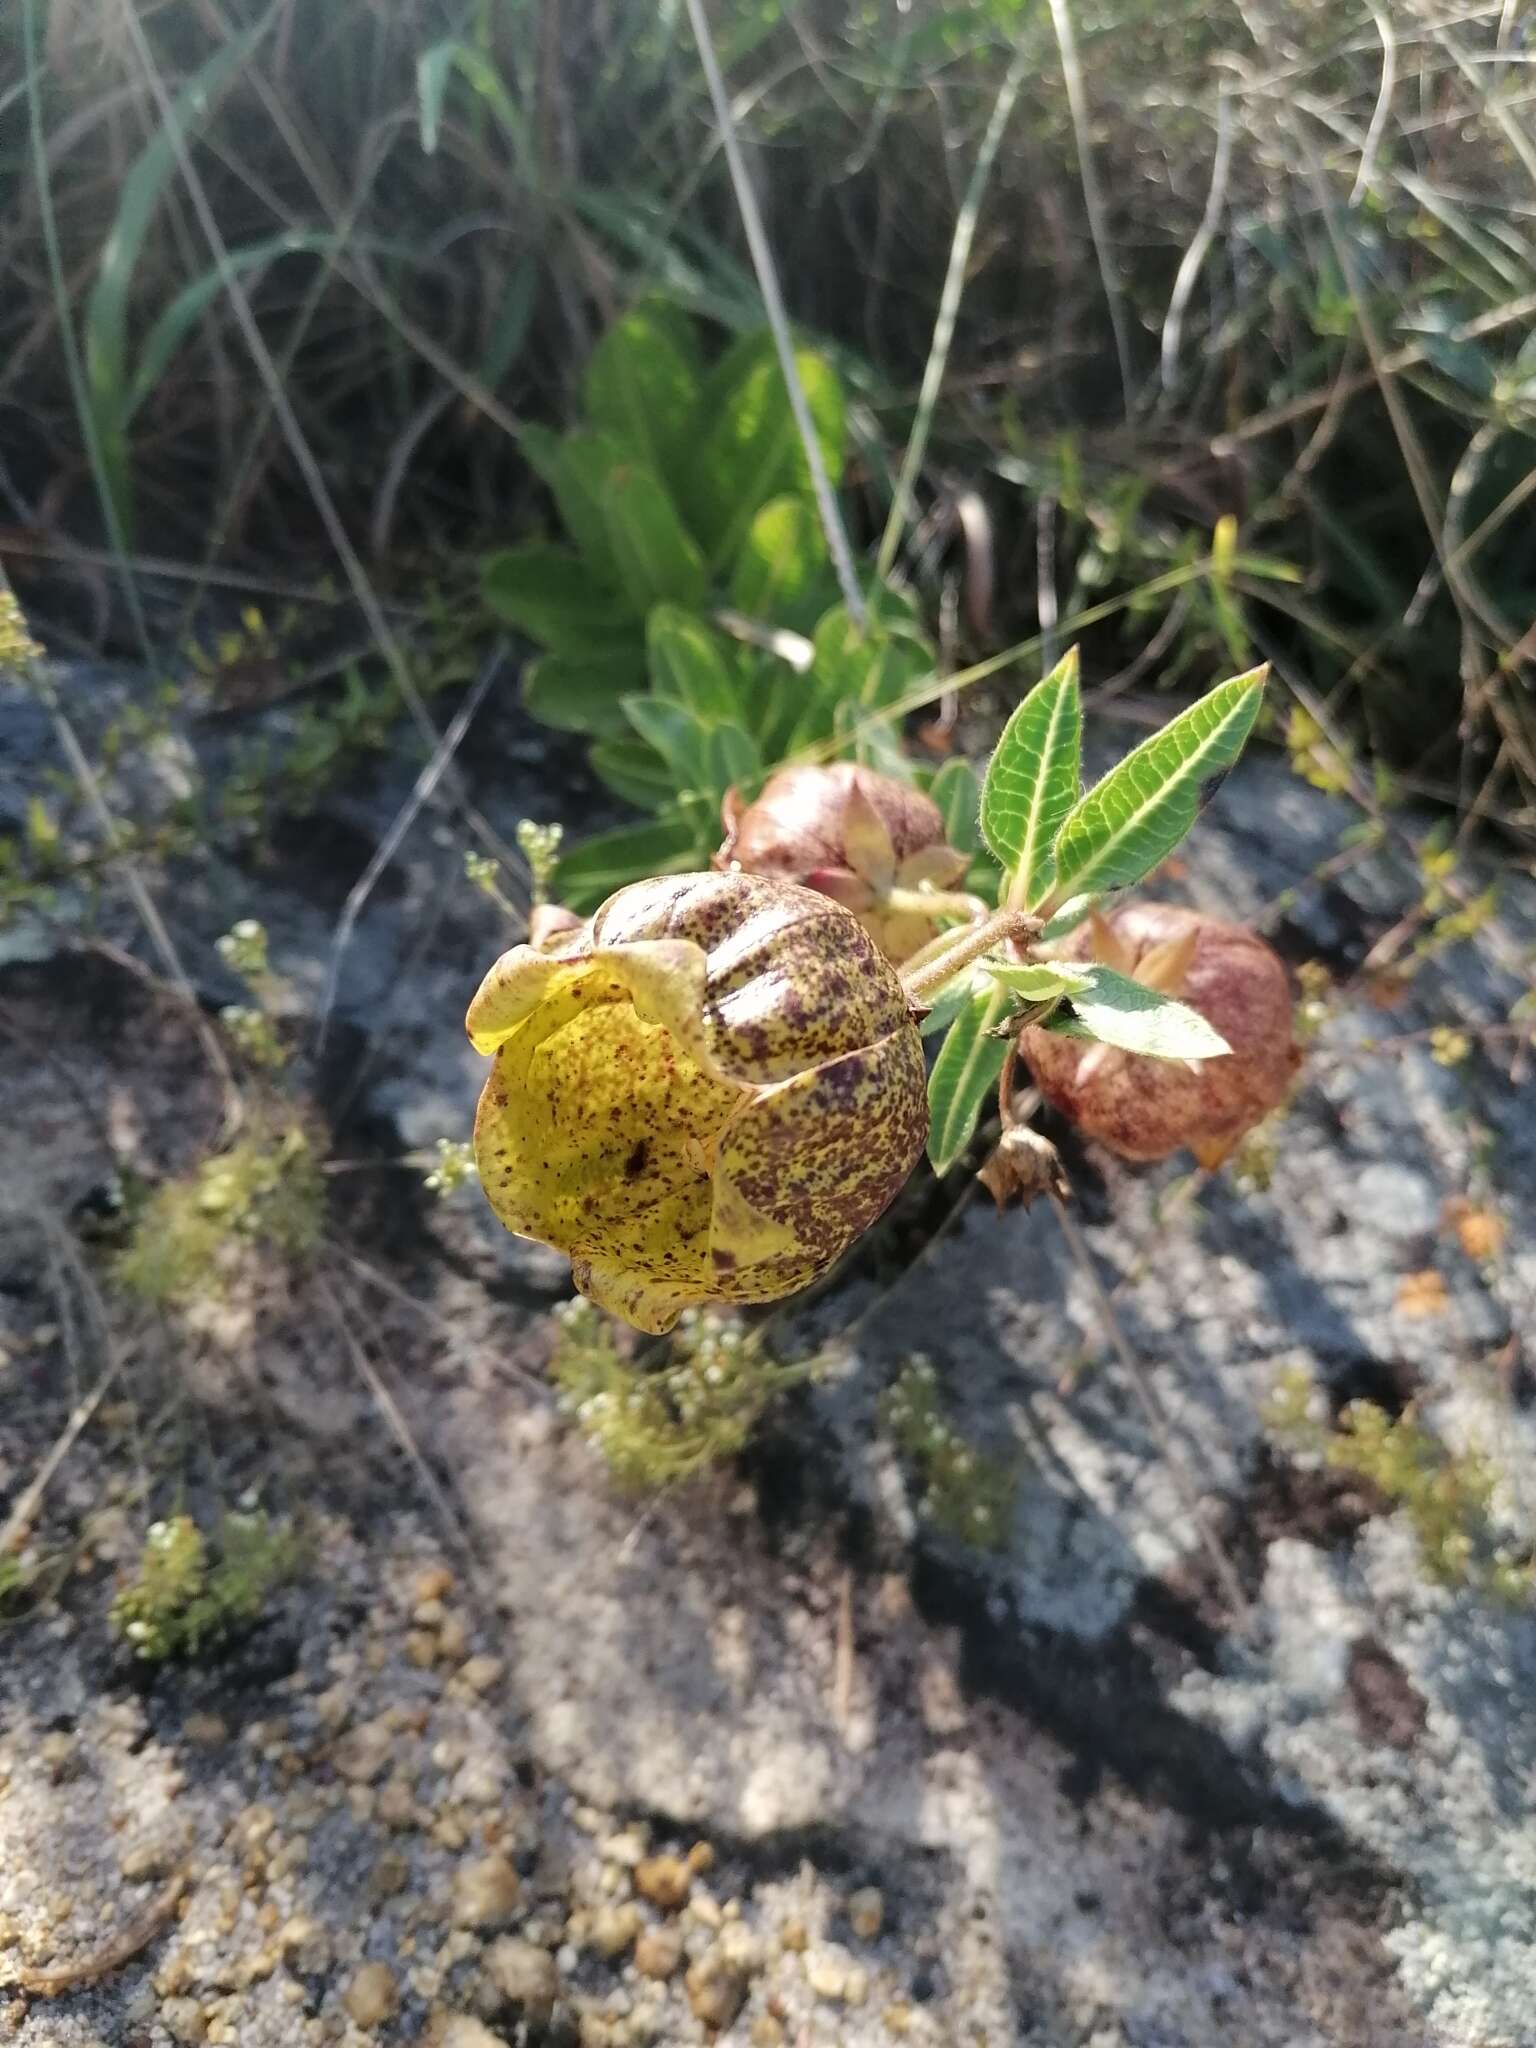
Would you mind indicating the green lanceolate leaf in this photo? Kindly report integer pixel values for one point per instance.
(859, 671)
(750, 450)
(690, 665)
(577, 468)
(964, 1073)
(732, 760)
(1033, 782)
(678, 737)
(582, 693)
(642, 389)
(1138, 814)
(632, 769)
(551, 595)
(783, 570)
(655, 558)
(590, 873)
(957, 793)
(1123, 1013)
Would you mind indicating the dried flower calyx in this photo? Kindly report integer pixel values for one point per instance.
(873, 844)
(706, 1093)
(1146, 1108)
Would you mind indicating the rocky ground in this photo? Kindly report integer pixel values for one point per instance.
(776, 1759)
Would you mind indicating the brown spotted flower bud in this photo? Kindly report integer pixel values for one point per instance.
(865, 839)
(704, 1094)
(1147, 1108)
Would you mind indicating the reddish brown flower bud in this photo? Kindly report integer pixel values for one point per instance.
(852, 834)
(1147, 1108)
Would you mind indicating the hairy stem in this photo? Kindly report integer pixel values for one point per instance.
(925, 974)
(935, 903)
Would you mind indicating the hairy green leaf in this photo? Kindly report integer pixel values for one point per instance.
(1037, 981)
(957, 793)
(965, 1071)
(1124, 1013)
(1033, 781)
(1143, 807)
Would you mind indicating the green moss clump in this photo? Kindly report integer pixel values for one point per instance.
(658, 1426)
(184, 1600)
(965, 1493)
(1447, 1495)
(266, 1190)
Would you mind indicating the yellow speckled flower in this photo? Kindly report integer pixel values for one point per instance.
(704, 1094)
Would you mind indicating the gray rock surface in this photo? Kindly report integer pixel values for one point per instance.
(1106, 1804)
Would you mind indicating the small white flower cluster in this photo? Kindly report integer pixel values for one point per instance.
(455, 1165)
(243, 949)
(658, 1424)
(540, 847)
(254, 1035)
(964, 1493)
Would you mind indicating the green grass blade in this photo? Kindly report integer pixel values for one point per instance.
(1143, 807)
(435, 70)
(184, 312)
(106, 315)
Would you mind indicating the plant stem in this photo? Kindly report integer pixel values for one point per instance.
(923, 977)
(778, 319)
(935, 903)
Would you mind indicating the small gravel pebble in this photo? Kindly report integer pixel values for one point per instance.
(717, 1990)
(866, 1912)
(666, 1881)
(485, 1893)
(659, 1952)
(373, 1996)
(524, 1975)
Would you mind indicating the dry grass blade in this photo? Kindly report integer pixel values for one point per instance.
(949, 309)
(425, 785)
(778, 317)
(344, 1316)
(384, 637)
(1200, 245)
(65, 1257)
(1093, 195)
(1183, 1479)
